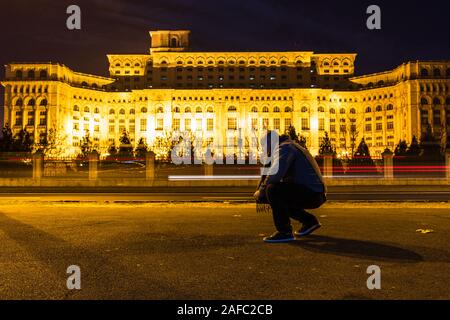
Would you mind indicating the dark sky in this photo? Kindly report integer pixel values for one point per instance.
(36, 30)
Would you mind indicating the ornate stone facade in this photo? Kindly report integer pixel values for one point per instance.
(220, 95)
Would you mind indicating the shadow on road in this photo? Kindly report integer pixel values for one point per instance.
(357, 248)
(103, 276)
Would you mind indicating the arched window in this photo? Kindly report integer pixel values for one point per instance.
(160, 110)
(199, 110)
(96, 110)
(304, 109)
(379, 108)
(176, 110)
(265, 110)
(111, 111)
(232, 109)
(437, 101)
(122, 111)
(368, 109)
(144, 110)
(352, 111)
(19, 74)
(424, 72)
(187, 110)
(174, 42)
(86, 109)
(321, 109)
(76, 108)
(424, 101)
(287, 109)
(332, 111)
(31, 74)
(132, 111)
(436, 72)
(254, 109)
(342, 111)
(276, 109)
(31, 103)
(210, 110)
(43, 74)
(19, 103)
(390, 107)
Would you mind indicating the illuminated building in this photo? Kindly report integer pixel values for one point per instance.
(218, 94)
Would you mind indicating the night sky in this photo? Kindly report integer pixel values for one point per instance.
(36, 30)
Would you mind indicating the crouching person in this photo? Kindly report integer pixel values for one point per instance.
(294, 184)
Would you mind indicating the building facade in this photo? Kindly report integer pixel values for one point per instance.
(221, 96)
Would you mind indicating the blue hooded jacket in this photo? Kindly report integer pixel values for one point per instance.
(295, 165)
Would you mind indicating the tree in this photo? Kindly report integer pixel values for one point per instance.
(363, 149)
(414, 148)
(302, 142)
(141, 149)
(86, 145)
(401, 148)
(325, 145)
(125, 147)
(6, 143)
(361, 161)
(292, 133)
(112, 150)
(23, 141)
(55, 144)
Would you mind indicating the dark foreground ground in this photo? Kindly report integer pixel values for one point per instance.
(214, 251)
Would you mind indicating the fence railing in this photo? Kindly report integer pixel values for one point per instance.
(148, 168)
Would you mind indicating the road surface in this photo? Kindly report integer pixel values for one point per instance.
(214, 251)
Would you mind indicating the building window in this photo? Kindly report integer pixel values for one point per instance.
(369, 127)
(305, 124)
(31, 118)
(254, 123)
(232, 124)
(287, 123)
(210, 124)
(276, 124)
(159, 124)
(176, 124)
(424, 117)
(143, 125)
(379, 126)
(321, 124)
(332, 128)
(198, 125)
(187, 125)
(390, 125)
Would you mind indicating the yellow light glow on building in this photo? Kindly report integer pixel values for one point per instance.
(236, 90)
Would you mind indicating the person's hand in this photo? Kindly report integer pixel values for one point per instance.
(257, 195)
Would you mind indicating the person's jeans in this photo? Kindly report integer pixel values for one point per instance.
(290, 201)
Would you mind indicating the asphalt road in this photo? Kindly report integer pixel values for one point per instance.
(214, 251)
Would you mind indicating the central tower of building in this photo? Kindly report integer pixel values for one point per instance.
(169, 41)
